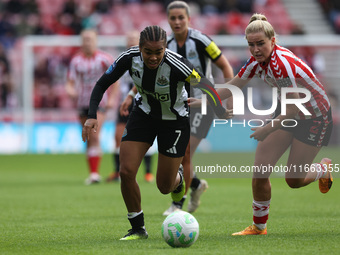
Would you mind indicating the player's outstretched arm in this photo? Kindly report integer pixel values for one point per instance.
(214, 100)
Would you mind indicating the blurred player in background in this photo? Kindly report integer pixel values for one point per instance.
(280, 69)
(200, 50)
(85, 69)
(126, 84)
(160, 110)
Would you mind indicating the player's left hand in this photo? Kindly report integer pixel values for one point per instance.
(89, 125)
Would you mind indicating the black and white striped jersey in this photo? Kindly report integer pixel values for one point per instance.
(161, 92)
(199, 49)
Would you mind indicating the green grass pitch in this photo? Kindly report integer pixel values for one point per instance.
(46, 209)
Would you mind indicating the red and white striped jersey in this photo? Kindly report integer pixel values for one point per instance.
(287, 70)
(85, 71)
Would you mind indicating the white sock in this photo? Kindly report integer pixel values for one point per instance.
(131, 215)
(321, 170)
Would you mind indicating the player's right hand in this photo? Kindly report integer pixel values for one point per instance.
(90, 125)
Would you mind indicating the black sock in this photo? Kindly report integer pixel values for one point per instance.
(116, 161)
(195, 183)
(179, 204)
(147, 162)
(137, 222)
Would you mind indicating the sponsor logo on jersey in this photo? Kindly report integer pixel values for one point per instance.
(162, 81)
(156, 95)
(269, 79)
(284, 82)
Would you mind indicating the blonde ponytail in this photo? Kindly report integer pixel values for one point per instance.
(259, 23)
(257, 16)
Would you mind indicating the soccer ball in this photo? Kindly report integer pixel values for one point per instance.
(180, 229)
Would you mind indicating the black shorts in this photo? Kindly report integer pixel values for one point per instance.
(121, 118)
(315, 132)
(82, 112)
(172, 135)
(200, 124)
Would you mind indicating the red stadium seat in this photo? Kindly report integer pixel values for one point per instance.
(51, 7)
(233, 23)
(110, 25)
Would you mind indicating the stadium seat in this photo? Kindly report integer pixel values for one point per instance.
(110, 25)
(51, 7)
(152, 8)
(233, 23)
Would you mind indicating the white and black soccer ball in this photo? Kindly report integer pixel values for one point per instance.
(180, 229)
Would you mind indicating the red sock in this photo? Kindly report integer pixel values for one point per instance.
(93, 162)
(260, 213)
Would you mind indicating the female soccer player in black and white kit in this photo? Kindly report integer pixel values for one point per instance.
(161, 111)
(200, 50)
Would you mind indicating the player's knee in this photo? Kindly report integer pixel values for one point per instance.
(294, 183)
(164, 188)
(126, 173)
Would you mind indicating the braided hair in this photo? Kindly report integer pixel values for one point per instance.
(152, 33)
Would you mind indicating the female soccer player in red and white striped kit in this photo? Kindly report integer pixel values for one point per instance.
(85, 69)
(280, 68)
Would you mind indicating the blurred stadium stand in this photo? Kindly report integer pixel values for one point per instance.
(19, 18)
(331, 10)
(114, 17)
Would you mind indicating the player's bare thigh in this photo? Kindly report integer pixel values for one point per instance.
(131, 155)
(300, 158)
(269, 151)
